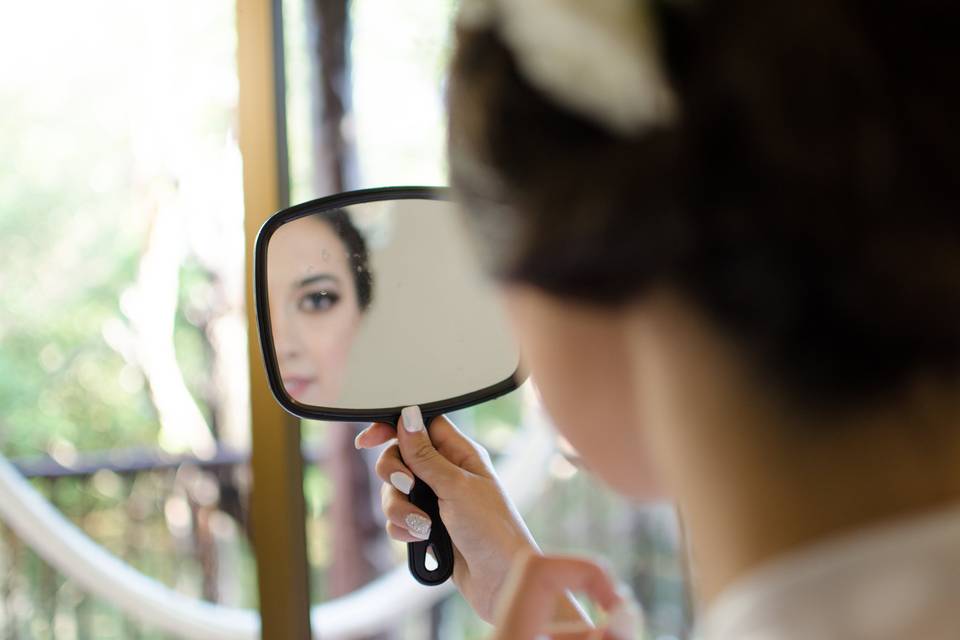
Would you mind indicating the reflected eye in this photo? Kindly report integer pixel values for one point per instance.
(316, 301)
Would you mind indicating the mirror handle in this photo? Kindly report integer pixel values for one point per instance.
(424, 497)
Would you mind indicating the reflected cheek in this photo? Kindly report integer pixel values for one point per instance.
(333, 335)
(321, 337)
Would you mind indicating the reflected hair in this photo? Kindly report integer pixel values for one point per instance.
(358, 255)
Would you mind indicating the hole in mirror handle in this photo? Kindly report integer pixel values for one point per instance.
(439, 542)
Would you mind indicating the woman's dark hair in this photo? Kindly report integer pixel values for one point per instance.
(806, 198)
(357, 254)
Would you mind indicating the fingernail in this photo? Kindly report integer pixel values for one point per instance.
(356, 441)
(625, 620)
(412, 419)
(418, 526)
(401, 481)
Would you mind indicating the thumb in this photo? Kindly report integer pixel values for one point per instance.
(422, 457)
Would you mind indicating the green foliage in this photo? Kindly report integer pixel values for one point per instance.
(105, 107)
(83, 162)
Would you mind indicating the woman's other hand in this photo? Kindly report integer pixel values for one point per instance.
(486, 530)
(538, 586)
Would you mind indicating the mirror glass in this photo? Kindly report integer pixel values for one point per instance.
(383, 304)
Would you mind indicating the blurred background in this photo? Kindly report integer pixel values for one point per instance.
(124, 369)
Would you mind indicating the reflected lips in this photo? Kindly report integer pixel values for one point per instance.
(296, 386)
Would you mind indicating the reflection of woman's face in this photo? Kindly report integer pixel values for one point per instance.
(313, 309)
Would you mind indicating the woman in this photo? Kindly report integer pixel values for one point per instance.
(320, 285)
(729, 240)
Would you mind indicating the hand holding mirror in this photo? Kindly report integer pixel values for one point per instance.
(372, 301)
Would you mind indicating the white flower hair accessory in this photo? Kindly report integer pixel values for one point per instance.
(599, 58)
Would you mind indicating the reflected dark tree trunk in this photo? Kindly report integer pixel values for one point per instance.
(357, 537)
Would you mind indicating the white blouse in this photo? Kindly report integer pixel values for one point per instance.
(900, 580)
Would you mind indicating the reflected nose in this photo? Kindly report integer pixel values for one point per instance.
(286, 339)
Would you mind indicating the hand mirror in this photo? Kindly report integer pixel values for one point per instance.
(371, 301)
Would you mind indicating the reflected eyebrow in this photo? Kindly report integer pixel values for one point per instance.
(320, 277)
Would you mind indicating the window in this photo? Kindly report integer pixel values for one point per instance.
(123, 347)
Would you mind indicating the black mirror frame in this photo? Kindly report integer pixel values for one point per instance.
(309, 412)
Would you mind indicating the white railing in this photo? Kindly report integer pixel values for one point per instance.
(369, 610)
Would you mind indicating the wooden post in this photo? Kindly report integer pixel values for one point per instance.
(277, 503)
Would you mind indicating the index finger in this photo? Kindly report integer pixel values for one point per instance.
(448, 440)
(456, 447)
